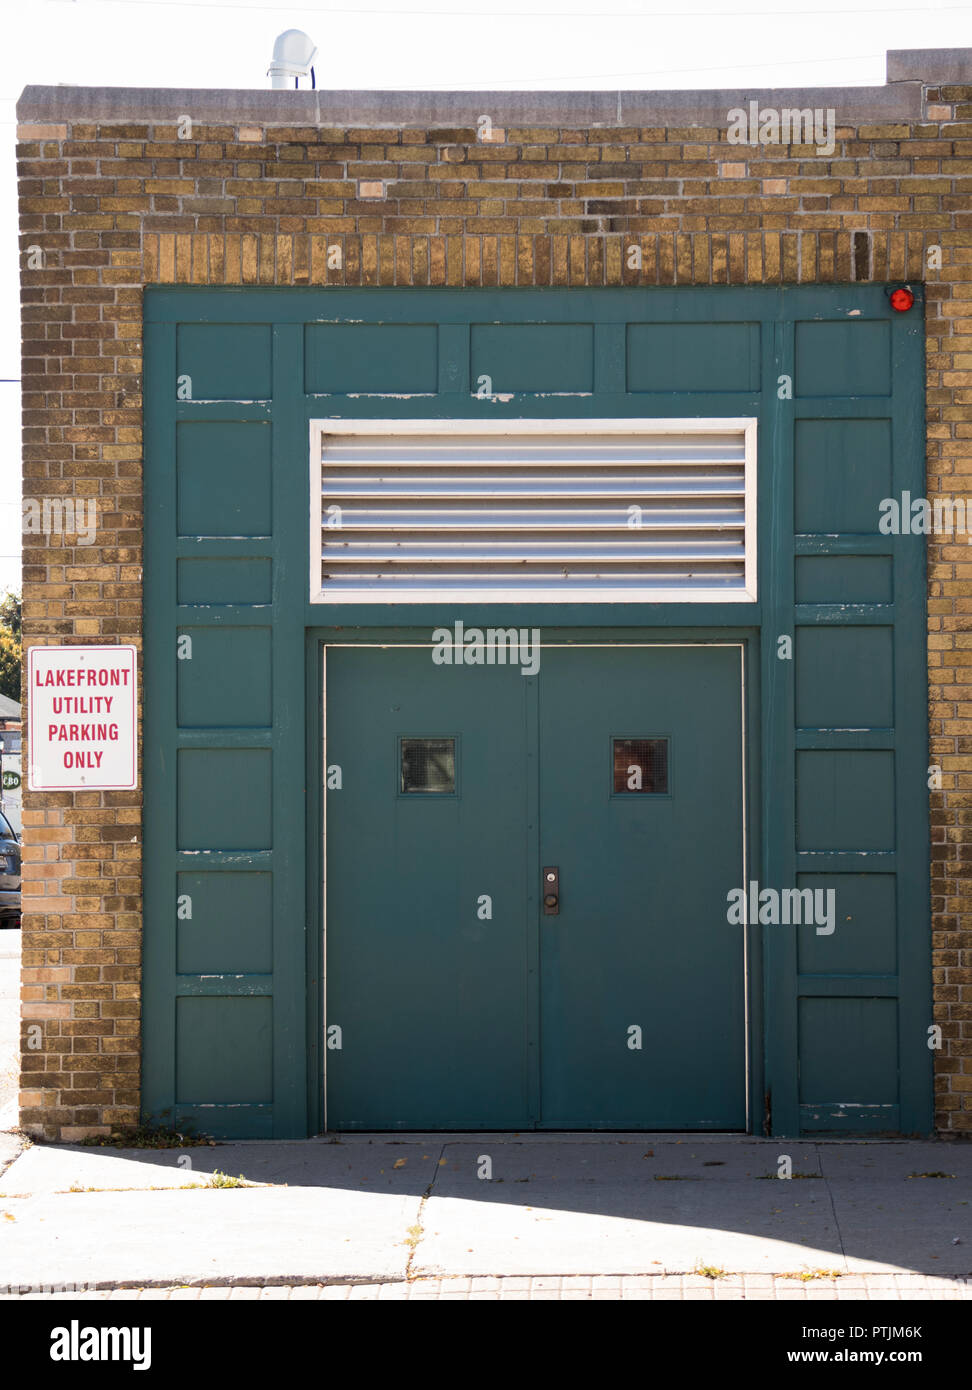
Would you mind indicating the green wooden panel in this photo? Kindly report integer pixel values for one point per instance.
(845, 800)
(224, 362)
(533, 356)
(224, 798)
(849, 1120)
(844, 579)
(773, 857)
(370, 357)
(226, 682)
(848, 1051)
(226, 1122)
(911, 742)
(224, 1051)
(864, 940)
(231, 927)
(693, 357)
(223, 581)
(223, 478)
(843, 359)
(862, 696)
(842, 470)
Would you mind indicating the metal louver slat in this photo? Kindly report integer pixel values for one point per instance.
(659, 510)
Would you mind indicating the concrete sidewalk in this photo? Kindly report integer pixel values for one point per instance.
(376, 1209)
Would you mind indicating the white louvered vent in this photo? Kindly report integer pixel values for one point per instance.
(551, 510)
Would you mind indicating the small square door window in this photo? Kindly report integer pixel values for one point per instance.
(428, 765)
(641, 766)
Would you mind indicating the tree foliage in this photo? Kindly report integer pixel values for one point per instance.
(11, 645)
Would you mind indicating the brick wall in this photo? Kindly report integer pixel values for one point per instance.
(115, 205)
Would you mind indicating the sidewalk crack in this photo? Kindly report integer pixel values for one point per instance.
(833, 1207)
(415, 1233)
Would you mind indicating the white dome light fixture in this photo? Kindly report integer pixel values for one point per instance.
(293, 53)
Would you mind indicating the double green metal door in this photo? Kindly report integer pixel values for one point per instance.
(526, 888)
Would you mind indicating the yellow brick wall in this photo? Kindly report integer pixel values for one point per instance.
(117, 206)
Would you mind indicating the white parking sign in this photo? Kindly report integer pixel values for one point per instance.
(81, 712)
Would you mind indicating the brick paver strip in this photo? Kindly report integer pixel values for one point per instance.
(551, 1288)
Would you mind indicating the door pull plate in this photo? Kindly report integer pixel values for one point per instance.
(550, 891)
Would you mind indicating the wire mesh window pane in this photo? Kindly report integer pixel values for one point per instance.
(428, 765)
(641, 765)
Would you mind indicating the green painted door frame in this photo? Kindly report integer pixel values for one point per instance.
(232, 734)
(576, 640)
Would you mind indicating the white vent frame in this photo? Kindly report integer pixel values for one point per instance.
(595, 593)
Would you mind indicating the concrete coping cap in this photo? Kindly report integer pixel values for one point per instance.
(908, 71)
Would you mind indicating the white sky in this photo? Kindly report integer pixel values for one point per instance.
(749, 44)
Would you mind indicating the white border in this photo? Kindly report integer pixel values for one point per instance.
(747, 925)
(73, 651)
(596, 594)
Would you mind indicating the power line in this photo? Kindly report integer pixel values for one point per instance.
(590, 76)
(480, 15)
(667, 72)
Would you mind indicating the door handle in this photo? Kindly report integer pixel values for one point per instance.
(550, 891)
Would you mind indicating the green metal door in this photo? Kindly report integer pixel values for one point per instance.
(464, 990)
(642, 986)
(426, 893)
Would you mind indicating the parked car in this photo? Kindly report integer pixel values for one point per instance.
(9, 875)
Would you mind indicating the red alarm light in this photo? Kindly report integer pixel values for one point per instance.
(902, 299)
